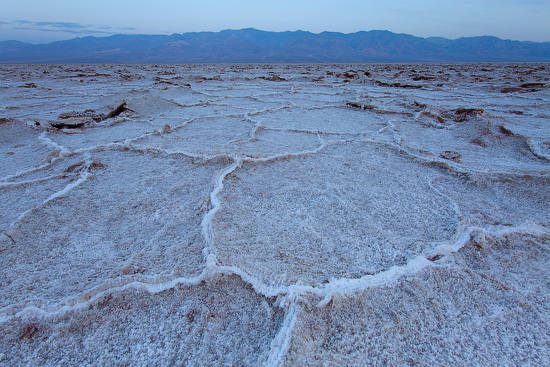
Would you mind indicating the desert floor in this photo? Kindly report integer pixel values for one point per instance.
(275, 215)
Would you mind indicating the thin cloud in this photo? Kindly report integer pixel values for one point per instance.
(76, 32)
(118, 29)
(64, 27)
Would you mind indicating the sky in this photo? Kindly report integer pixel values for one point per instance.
(44, 21)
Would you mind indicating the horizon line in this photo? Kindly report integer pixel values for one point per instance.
(260, 30)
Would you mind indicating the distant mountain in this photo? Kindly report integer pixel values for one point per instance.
(254, 46)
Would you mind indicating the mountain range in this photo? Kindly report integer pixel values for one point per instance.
(255, 46)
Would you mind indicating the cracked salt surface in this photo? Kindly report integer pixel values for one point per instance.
(351, 209)
(275, 215)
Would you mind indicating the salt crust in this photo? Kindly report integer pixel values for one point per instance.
(337, 217)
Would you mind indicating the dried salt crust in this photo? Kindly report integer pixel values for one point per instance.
(271, 223)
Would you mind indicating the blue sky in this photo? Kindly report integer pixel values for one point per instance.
(42, 21)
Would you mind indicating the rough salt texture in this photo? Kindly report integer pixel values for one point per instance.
(277, 215)
(351, 209)
(104, 230)
(476, 309)
(220, 322)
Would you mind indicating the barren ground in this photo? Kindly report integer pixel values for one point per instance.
(275, 215)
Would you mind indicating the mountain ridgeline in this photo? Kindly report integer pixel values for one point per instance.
(255, 46)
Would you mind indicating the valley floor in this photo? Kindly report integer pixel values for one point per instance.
(275, 215)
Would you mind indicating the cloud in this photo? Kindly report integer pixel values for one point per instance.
(64, 27)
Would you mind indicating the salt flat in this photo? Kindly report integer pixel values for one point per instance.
(275, 214)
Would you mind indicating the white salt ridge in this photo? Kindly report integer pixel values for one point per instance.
(289, 294)
(84, 174)
(348, 287)
(206, 224)
(268, 212)
(281, 342)
(540, 147)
